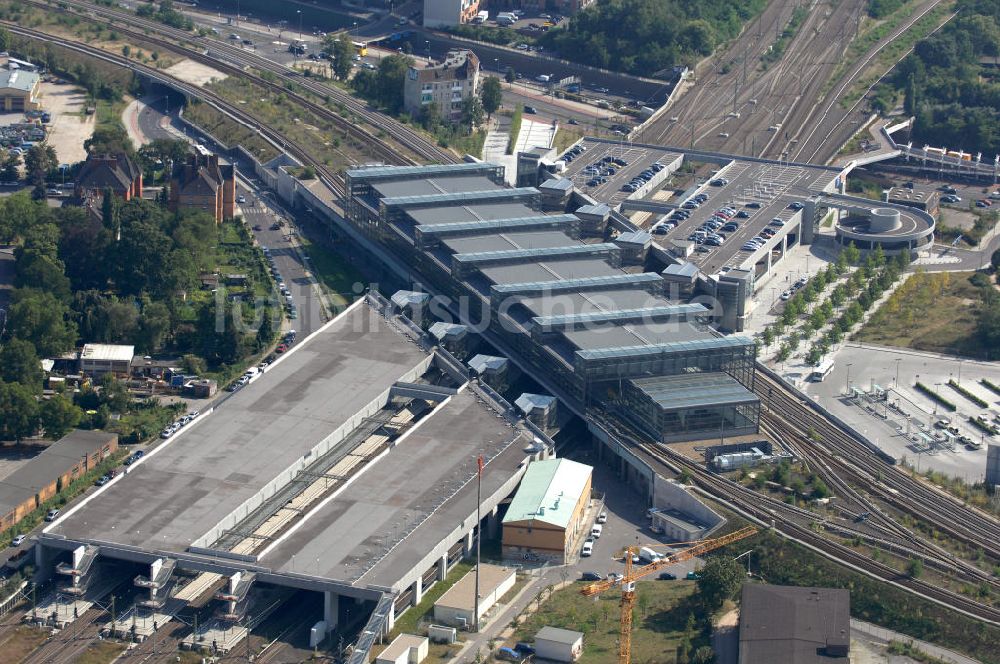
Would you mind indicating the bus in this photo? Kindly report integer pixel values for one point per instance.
(821, 371)
(361, 48)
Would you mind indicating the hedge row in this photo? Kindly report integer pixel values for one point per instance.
(936, 397)
(991, 386)
(983, 426)
(967, 394)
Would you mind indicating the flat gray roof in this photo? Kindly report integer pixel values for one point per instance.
(541, 239)
(550, 270)
(208, 469)
(439, 185)
(348, 534)
(580, 303)
(634, 334)
(695, 389)
(449, 214)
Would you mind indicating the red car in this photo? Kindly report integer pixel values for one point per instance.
(281, 348)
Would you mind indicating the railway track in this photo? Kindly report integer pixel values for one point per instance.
(235, 60)
(883, 480)
(776, 514)
(293, 148)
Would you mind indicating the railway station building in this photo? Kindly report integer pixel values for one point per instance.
(547, 289)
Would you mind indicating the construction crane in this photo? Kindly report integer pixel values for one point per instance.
(628, 580)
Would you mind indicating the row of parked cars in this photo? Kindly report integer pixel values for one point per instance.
(174, 427)
(794, 288)
(643, 177)
(293, 312)
(602, 169)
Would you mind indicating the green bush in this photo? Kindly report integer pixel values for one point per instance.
(967, 394)
(936, 397)
(990, 385)
(515, 128)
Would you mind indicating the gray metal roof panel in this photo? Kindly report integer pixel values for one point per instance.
(431, 186)
(540, 239)
(381, 172)
(536, 253)
(691, 390)
(461, 197)
(559, 270)
(671, 347)
(568, 285)
(619, 314)
(444, 214)
(497, 224)
(626, 335)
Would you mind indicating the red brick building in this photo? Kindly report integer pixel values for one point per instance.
(203, 184)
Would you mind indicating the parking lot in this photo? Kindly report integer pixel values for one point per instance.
(758, 194)
(636, 158)
(873, 368)
(70, 126)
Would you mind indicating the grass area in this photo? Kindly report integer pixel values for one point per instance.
(336, 275)
(471, 144)
(958, 486)
(229, 132)
(895, 50)
(661, 613)
(102, 652)
(566, 135)
(22, 642)
(408, 622)
(515, 128)
(143, 421)
(933, 312)
(984, 223)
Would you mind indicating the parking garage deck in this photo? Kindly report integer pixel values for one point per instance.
(183, 489)
(417, 497)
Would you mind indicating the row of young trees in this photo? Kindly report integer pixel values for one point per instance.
(862, 289)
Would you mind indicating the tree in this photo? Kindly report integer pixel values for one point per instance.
(720, 579)
(995, 260)
(58, 415)
(915, 568)
(391, 76)
(114, 394)
(38, 161)
(42, 319)
(472, 112)
(19, 363)
(154, 326)
(40, 270)
(18, 412)
(11, 169)
(703, 655)
(341, 52)
(492, 95)
(510, 76)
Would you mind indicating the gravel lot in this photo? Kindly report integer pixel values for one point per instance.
(69, 127)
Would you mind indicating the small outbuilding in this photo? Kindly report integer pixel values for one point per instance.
(558, 645)
(99, 359)
(404, 649)
(457, 606)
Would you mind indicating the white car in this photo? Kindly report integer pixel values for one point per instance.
(596, 531)
(19, 540)
(241, 199)
(602, 517)
(588, 548)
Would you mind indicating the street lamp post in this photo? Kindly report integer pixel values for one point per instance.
(847, 387)
(896, 381)
(299, 12)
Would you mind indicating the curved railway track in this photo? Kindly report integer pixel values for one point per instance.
(776, 514)
(885, 481)
(235, 59)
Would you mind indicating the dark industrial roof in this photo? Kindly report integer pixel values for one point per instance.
(794, 625)
(44, 469)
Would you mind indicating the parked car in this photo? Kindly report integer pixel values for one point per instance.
(524, 648)
(52, 515)
(19, 540)
(590, 576)
(508, 654)
(588, 548)
(530, 110)
(667, 576)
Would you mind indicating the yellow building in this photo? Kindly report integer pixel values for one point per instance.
(547, 516)
(18, 90)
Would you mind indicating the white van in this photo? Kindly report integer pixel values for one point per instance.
(647, 555)
(596, 531)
